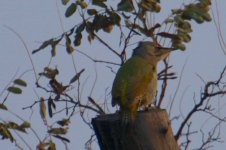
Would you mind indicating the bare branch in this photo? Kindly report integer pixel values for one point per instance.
(204, 97)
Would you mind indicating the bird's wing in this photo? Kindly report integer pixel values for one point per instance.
(131, 81)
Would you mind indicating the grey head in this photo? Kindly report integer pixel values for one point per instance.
(151, 50)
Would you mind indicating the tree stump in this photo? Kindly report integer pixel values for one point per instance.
(151, 130)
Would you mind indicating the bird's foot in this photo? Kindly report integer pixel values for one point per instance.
(148, 107)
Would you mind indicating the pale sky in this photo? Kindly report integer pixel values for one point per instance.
(37, 21)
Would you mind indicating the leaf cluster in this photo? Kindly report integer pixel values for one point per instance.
(101, 16)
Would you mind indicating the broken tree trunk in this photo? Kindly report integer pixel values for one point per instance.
(150, 131)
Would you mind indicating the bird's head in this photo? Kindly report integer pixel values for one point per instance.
(151, 50)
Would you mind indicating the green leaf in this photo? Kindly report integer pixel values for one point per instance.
(115, 18)
(92, 12)
(184, 37)
(179, 45)
(14, 90)
(184, 26)
(168, 20)
(64, 2)
(177, 11)
(207, 17)
(125, 5)
(71, 10)
(20, 82)
(99, 3)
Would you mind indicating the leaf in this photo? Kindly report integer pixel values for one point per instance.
(179, 45)
(51, 105)
(20, 82)
(42, 146)
(58, 130)
(49, 72)
(71, 10)
(197, 12)
(76, 77)
(6, 133)
(92, 12)
(53, 45)
(184, 26)
(64, 2)
(14, 90)
(25, 124)
(184, 37)
(150, 5)
(99, 3)
(151, 31)
(91, 36)
(52, 145)
(125, 5)
(2, 106)
(44, 45)
(13, 125)
(83, 4)
(80, 28)
(168, 35)
(69, 48)
(168, 20)
(57, 87)
(63, 122)
(108, 28)
(78, 39)
(53, 51)
(176, 11)
(42, 110)
(115, 18)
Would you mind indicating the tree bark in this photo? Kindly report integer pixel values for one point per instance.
(151, 130)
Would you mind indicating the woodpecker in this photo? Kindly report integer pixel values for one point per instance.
(135, 83)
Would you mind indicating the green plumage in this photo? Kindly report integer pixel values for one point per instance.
(135, 83)
(133, 78)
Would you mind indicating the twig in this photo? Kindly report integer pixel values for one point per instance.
(204, 97)
(96, 105)
(27, 50)
(164, 84)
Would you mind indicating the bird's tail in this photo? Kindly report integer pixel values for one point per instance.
(127, 117)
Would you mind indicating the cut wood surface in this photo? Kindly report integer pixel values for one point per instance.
(150, 131)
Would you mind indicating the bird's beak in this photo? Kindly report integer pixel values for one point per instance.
(167, 48)
(164, 51)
